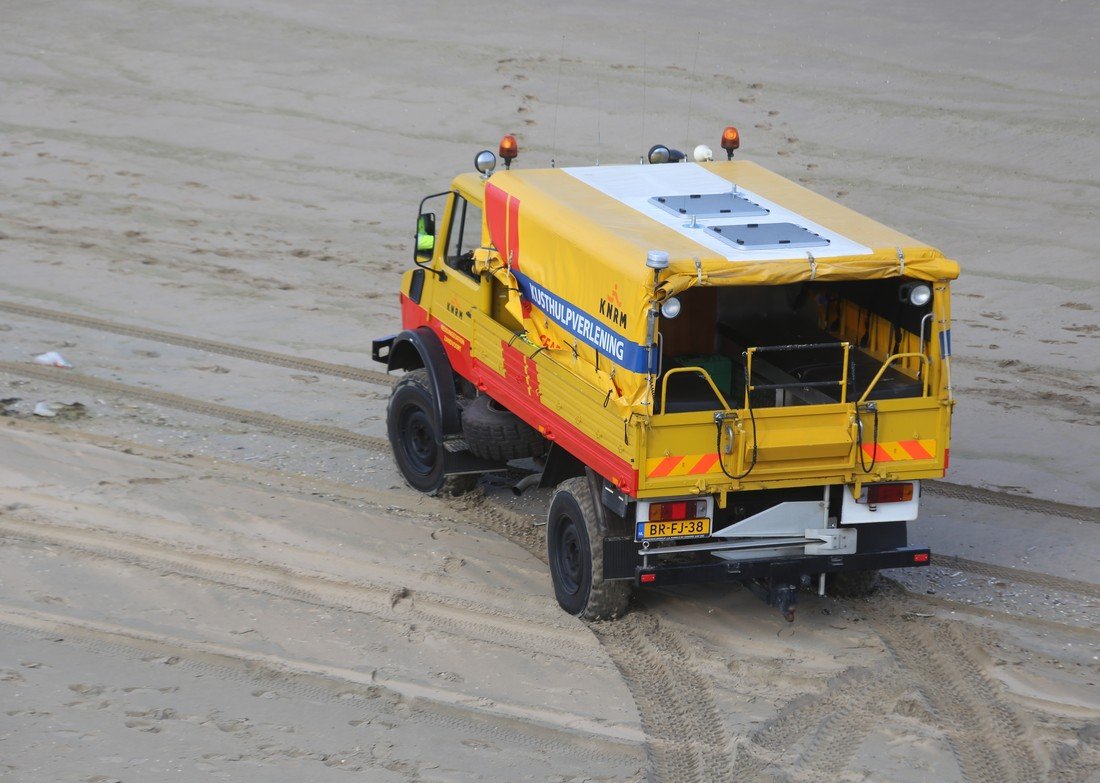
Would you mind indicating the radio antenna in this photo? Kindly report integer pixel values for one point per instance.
(642, 145)
(691, 93)
(599, 139)
(557, 104)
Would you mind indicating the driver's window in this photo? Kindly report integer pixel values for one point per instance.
(464, 236)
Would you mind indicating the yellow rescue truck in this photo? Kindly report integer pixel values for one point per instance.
(724, 375)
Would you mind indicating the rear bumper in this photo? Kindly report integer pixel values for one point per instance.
(787, 569)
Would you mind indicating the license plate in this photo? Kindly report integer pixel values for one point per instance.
(681, 528)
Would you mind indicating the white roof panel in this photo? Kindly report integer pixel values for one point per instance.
(641, 187)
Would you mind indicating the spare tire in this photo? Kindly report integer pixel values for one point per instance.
(491, 431)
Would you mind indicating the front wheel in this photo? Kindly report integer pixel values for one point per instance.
(414, 437)
(574, 542)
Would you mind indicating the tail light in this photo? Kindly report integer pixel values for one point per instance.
(676, 510)
(889, 493)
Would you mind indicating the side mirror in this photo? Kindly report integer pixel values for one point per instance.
(425, 236)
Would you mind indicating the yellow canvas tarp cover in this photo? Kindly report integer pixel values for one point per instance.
(571, 246)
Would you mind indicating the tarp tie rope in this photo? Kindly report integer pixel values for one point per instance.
(813, 266)
(698, 270)
(901, 260)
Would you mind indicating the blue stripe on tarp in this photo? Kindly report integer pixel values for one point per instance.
(945, 343)
(628, 355)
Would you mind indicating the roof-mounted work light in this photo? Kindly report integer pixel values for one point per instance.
(916, 294)
(659, 153)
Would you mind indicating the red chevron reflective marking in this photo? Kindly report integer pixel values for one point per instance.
(877, 453)
(704, 464)
(668, 464)
(915, 449)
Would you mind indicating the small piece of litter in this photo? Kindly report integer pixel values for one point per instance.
(52, 358)
(61, 410)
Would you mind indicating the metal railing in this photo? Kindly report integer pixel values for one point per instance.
(706, 377)
(842, 383)
(890, 360)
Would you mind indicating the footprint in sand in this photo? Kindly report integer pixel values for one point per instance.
(86, 690)
(141, 725)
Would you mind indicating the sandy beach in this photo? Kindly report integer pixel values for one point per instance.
(210, 568)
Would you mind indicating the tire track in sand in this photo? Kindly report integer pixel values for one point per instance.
(198, 343)
(541, 731)
(267, 420)
(959, 492)
(992, 741)
(821, 734)
(385, 602)
(685, 737)
(676, 754)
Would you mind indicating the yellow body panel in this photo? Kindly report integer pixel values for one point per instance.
(589, 251)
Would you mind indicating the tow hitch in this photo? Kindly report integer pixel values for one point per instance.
(778, 591)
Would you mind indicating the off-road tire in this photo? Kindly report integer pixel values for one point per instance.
(851, 584)
(491, 431)
(574, 543)
(412, 428)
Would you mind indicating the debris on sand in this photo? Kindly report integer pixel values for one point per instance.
(53, 359)
(62, 411)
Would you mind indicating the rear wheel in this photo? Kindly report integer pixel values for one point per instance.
(414, 437)
(574, 542)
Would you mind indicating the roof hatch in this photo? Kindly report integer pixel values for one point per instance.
(767, 236)
(709, 205)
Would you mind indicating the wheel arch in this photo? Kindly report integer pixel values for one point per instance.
(421, 347)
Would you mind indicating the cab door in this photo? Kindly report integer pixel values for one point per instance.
(462, 293)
